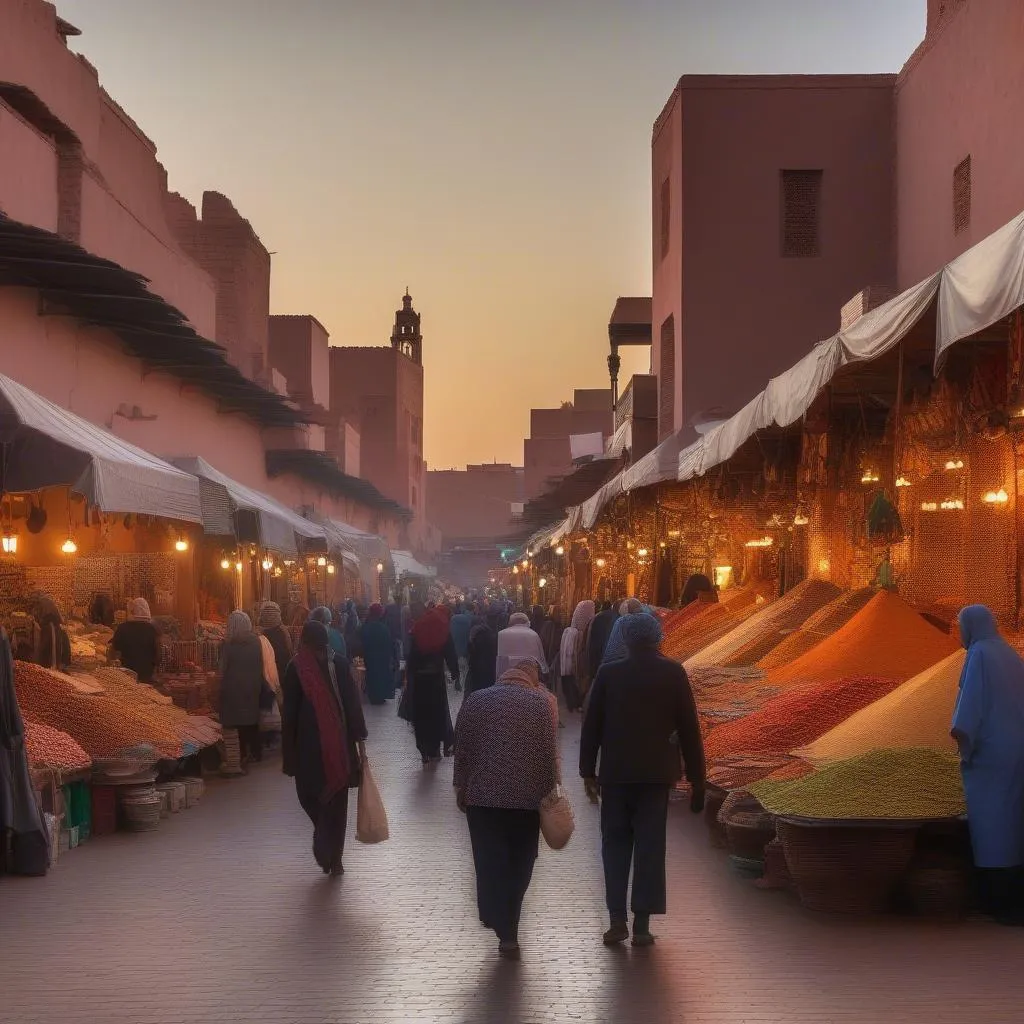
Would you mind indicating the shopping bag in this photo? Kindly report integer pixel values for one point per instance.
(371, 818)
(557, 822)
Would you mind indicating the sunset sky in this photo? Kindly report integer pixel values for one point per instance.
(492, 155)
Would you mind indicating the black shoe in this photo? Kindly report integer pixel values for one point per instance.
(508, 949)
(618, 932)
(642, 930)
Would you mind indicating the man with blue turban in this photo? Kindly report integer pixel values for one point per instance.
(640, 719)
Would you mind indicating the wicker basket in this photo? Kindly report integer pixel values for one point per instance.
(776, 871)
(232, 761)
(141, 813)
(749, 828)
(845, 870)
(713, 801)
(194, 789)
(939, 892)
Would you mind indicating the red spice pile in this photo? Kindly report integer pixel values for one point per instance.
(799, 716)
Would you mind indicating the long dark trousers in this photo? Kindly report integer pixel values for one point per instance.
(505, 845)
(249, 742)
(633, 817)
(329, 823)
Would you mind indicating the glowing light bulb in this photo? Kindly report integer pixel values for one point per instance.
(321, 561)
(642, 552)
(800, 519)
(955, 464)
(181, 544)
(69, 547)
(267, 564)
(225, 564)
(999, 497)
(330, 568)
(600, 563)
(238, 567)
(542, 582)
(902, 481)
(559, 550)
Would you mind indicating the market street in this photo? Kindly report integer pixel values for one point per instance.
(222, 915)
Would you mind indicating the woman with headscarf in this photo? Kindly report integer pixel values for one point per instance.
(323, 736)
(537, 619)
(52, 647)
(505, 764)
(136, 642)
(694, 587)
(352, 627)
(272, 627)
(379, 656)
(518, 642)
(615, 649)
(551, 639)
(569, 654)
(334, 638)
(988, 726)
(300, 616)
(430, 651)
(242, 684)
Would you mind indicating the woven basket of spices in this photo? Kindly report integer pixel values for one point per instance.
(776, 871)
(713, 800)
(749, 828)
(939, 891)
(845, 869)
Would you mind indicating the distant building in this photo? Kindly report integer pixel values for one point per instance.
(378, 391)
(548, 451)
(476, 503)
(777, 199)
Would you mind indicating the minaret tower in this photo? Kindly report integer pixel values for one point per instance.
(405, 336)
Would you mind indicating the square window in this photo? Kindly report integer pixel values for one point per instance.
(801, 214)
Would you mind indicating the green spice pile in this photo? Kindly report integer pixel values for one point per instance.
(910, 783)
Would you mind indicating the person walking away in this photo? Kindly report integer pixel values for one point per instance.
(640, 718)
(988, 726)
(242, 684)
(431, 649)
(393, 620)
(551, 640)
(537, 619)
(334, 637)
(483, 653)
(462, 623)
(615, 648)
(272, 627)
(379, 656)
(505, 765)
(567, 656)
(323, 736)
(600, 632)
(300, 616)
(518, 642)
(136, 642)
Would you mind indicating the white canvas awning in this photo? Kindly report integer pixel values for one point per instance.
(44, 445)
(279, 525)
(406, 565)
(367, 549)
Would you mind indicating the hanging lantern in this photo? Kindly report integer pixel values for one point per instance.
(225, 564)
(69, 547)
(181, 544)
(10, 541)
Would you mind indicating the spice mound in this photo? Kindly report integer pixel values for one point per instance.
(912, 783)
(799, 715)
(887, 638)
(53, 749)
(916, 714)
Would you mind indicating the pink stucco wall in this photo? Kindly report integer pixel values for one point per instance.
(744, 313)
(86, 371)
(961, 94)
(28, 172)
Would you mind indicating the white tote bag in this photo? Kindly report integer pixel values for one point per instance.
(371, 818)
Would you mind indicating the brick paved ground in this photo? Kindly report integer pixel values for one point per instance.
(222, 916)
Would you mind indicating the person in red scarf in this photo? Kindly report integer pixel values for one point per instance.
(431, 649)
(323, 732)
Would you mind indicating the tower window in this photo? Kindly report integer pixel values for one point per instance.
(801, 214)
(667, 378)
(962, 196)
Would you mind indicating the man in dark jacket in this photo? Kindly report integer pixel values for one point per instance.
(600, 631)
(641, 718)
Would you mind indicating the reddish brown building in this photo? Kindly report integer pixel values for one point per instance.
(547, 452)
(476, 503)
(379, 392)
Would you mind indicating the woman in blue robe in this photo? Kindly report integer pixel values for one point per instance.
(379, 656)
(988, 726)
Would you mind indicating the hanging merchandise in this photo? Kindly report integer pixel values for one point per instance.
(884, 523)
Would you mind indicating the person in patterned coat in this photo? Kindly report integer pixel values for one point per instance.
(506, 762)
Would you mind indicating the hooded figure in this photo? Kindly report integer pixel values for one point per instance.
(242, 683)
(569, 653)
(136, 642)
(379, 655)
(430, 652)
(988, 725)
(272, 628)
(615, 649)
(518, 643)
(20, 817)
(334, 637)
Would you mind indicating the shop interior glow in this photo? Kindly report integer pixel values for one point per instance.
(674, 533)
(600, 563)
(642, 552)
(722, 574)
(952, 505)
(902, 481)
(763, 542)
(955, 464)
(824, 566)
(999, 497)
(930, 506)
(69, 547)
(870, 477)
(800, 519)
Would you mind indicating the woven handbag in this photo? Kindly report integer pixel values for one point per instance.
(557, 822)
